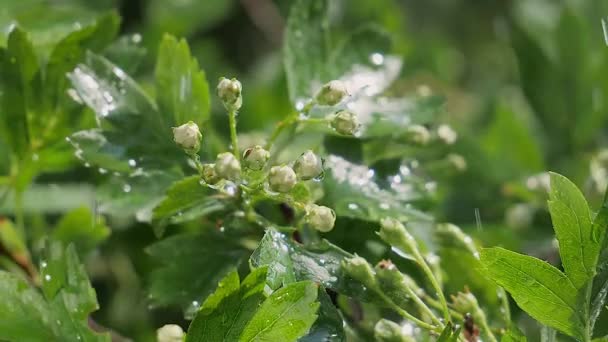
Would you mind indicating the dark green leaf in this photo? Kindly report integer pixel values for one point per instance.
(192, 265)
(540, 289)
(186, 200)
(449, 334)
(579, 245)
(306, 48)
(182, 91)
(352, 191)
(286, 315)
(126, 52)
(513, 335)
(289, 261)
(329, 327)
(20, 70)
(226, 312)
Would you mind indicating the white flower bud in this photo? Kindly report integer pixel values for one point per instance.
(320, 218)
(282, 178)
(256, 157)
(345, 122)
(359, 269)
(331, 93)
(208, 173)
(457, 161)
(418, 134)
(227, 166)
(229, 92)
(188, 137)
(447, 134)
(308, 165)
(170, 333)
(387, 331)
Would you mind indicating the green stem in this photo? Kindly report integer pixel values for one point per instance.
(290, 120)
(407, 315)
(424, 308)
(19, 216)
(504, 303)
(437, 305)
(233, 136)
(429, 273)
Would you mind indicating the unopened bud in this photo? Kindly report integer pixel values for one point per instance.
(308, 166)
(320, 218)
(331, 93)
(418, 135)
(170, 333)
(208, 173)
(345, 122)
(227, 166)
(229, 91)
(282, 178)
(359, 269)
(255, 158)
(447, 134)
(188, 137)
(394, 233)
(388, 331)
(458, 161)
(465, 302)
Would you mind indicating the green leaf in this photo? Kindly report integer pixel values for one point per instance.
(600, 282)
(226, 312)
(579, 245)
(352, 191)
(182, 91)
(62, 314)
(306, 47)
(540, 289)
(19, 73)
(82, 227)
(126, 52)
(286, 315)
(289, 261)
(329, 327)
(186, 200)
(513, 335)
(191, 266)
(449, 334)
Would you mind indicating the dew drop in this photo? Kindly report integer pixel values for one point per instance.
(376, 58)
(47, 277)
(126, 188)
(35, 157)
(87, 165)
(132, 163)
(102, 171)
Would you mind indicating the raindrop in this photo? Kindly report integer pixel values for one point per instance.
(126, 188)
(102, 171)
(35, 157)
(47, 277)
(136, 38)
(43, 264)
(353, 206)
(132, 163)
(376, 58)
(87, 165)
(605, 29)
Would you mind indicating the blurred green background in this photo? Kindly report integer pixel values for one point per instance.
(525, 83)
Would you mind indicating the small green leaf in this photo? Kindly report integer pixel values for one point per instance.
(182, 92)
(81, 227)
(62, 314)
(192, 265)
(186, 200)
(579, 248)
(449, 334)
(540, 289)
(19, 73)
(329, 327)
(226, 312)
(126, 52)
(513, 335)
(306, 47)
(286, 315)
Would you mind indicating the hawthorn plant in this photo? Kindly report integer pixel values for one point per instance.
(252, 231)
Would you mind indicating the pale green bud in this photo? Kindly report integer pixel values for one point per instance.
(394, 233)
(465, 302)
(308, 165)
(208, 173)
(359, 269)
(388, 331)
(418, 134)
(447, 134)
(229, 91)
(255, 158)
(282, 178)
(331, 93)
(345, 122)
(188, 137)
(170, 333)
(458, 161)
(227, 166)
(320, 217)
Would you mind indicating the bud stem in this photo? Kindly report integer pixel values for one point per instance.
(233, 136)
(427, 271)
(407, 315)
